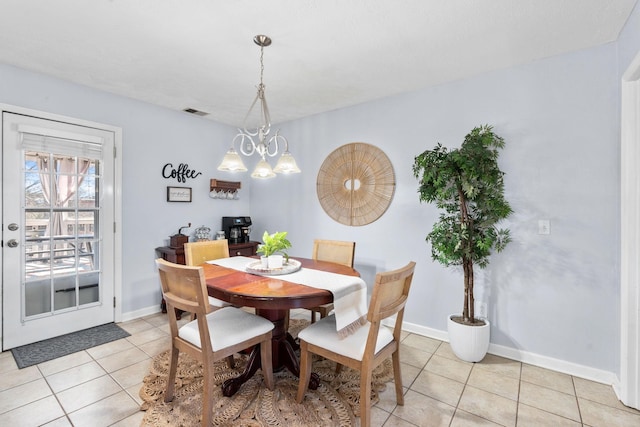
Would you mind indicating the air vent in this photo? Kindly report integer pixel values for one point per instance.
(196, 112)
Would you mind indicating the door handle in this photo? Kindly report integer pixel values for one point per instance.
(12, 243)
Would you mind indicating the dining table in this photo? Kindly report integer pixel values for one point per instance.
(272, 296)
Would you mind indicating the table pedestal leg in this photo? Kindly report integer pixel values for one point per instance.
(283, 354)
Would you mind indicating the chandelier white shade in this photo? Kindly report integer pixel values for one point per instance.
(256, 139)
(232, 162)
(263, 170)
(286, 164)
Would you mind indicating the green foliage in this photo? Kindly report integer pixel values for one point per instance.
(467, 185)
(274, 243)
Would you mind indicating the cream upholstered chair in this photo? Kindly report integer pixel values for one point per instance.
(369, 346)
(214, 335)
(197, 253)
(337, 251)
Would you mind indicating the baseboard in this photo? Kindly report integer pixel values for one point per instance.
(426, 332)
(131, 315)
(585, 372)
(558, 365)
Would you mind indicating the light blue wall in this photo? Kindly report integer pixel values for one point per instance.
(555, 295)
(152, 137)
(559, 118)
(629, 40)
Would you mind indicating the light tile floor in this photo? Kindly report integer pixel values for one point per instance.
(99, 387)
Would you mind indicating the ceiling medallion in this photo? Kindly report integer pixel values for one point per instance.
(355, 184)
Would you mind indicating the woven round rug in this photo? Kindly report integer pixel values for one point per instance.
(334, 403)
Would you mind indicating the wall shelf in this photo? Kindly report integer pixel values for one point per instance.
(224, 189)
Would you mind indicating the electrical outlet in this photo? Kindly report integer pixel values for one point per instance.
(543, 226)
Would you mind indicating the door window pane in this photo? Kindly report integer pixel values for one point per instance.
(61, 242)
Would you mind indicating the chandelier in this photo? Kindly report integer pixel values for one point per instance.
(256, 139)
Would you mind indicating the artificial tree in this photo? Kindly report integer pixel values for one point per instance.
(467, 185)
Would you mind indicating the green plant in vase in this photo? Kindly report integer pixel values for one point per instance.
(276, 243)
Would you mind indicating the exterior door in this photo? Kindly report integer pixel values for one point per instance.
(58, 239)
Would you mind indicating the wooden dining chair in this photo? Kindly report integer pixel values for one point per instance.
(197, 253)
(367, 347)
(337, 251)
(213, 335)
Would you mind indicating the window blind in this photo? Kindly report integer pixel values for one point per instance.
(89, 148)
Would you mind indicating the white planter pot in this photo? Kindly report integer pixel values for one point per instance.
(275, 261)
(264, 261)
(469, 343)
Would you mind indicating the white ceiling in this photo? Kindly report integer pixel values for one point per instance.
(326, 54)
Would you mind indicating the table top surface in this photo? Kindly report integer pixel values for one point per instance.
(270, 292)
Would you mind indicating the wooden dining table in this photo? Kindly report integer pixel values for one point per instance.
(272, 297)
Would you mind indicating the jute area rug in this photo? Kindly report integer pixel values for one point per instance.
(334, 403)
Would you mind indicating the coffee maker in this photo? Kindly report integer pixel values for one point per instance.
(236, 228)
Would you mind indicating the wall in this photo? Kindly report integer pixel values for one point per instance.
(152, 137)
(553, 295)
(629, 40)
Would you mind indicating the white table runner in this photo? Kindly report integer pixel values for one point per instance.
(349, 292)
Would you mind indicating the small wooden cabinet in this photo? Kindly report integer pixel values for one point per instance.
(176, 255)
(243, 249)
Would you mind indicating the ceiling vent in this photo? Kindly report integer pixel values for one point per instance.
(196, 112)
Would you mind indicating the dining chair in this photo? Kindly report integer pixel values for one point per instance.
(197, 253)
(213, 335)
(367, 347)
(338, 251)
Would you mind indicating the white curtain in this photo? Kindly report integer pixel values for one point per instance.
(60, 183)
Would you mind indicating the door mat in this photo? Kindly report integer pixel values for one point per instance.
(43, 351)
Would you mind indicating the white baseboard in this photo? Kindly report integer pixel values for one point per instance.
(131, 315)
(586, 372)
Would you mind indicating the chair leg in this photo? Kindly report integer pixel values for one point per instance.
(207, 395)
(171, 380)
(266, 362)
(305, 371)
(397, 377)
(365, 397)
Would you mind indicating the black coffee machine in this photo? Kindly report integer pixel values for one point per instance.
(236, 228)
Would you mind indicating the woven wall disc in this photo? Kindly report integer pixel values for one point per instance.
(355, 184)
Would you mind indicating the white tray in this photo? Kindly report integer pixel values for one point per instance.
(290, 266)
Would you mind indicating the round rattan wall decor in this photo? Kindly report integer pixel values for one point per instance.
(355, 184)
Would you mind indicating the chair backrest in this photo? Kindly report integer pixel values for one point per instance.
(390, 293)
(337, 251)
(197, 253)
(183, 287)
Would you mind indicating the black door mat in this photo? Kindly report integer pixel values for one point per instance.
(43, 351)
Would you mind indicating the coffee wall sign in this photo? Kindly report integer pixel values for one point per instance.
(181, 173)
